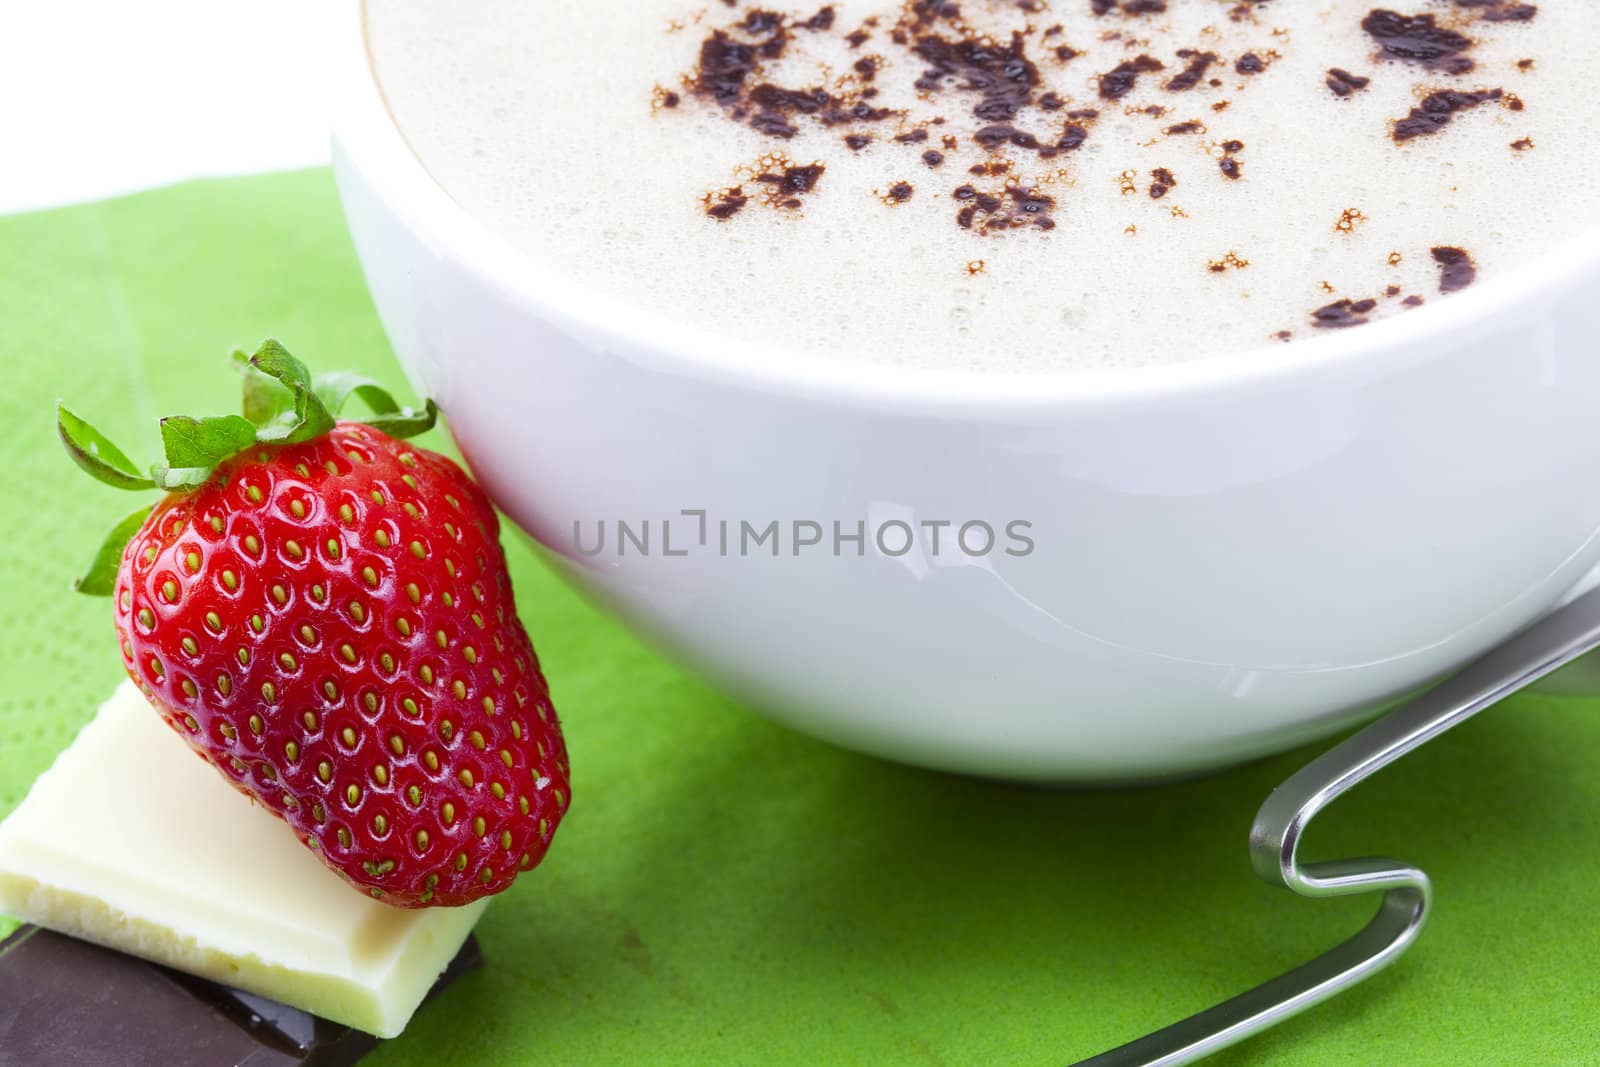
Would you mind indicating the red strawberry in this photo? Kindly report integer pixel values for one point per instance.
(323, 613)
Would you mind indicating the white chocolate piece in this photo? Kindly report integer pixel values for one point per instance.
(131, 841)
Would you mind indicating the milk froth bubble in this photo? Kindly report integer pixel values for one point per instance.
(1009, 185)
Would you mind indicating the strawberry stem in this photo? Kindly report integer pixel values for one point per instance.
(283, 404)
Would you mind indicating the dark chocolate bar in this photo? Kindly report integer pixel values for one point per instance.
(67, 1003)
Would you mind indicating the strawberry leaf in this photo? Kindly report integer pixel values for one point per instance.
(101, 577)
(406, 422)
(310, 417)
(337, 387)
(191, 442)
(264, 399)
(90, 450)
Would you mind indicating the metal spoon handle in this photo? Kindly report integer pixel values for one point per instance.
(1547, 645)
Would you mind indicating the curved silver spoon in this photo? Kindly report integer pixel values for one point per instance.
(1551, 643)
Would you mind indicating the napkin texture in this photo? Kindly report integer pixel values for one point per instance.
(725, 891)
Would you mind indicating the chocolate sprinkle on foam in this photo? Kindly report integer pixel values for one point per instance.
(968, 70)
(1342, 83)
(1342, 314)
(1120, 80)
(1419, 39)
(979, 98)
(1456, 269)
(1437, 110)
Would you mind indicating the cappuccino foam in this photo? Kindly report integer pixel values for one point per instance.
(1009, 185)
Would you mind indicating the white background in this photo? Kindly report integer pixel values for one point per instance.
(99, 97)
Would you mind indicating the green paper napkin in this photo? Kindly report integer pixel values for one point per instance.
(726, 891)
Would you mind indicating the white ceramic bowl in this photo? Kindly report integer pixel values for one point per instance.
(1230, 557)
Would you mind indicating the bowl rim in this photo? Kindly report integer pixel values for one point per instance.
(367, 136)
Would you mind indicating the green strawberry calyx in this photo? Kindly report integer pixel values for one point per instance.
(284, 404)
